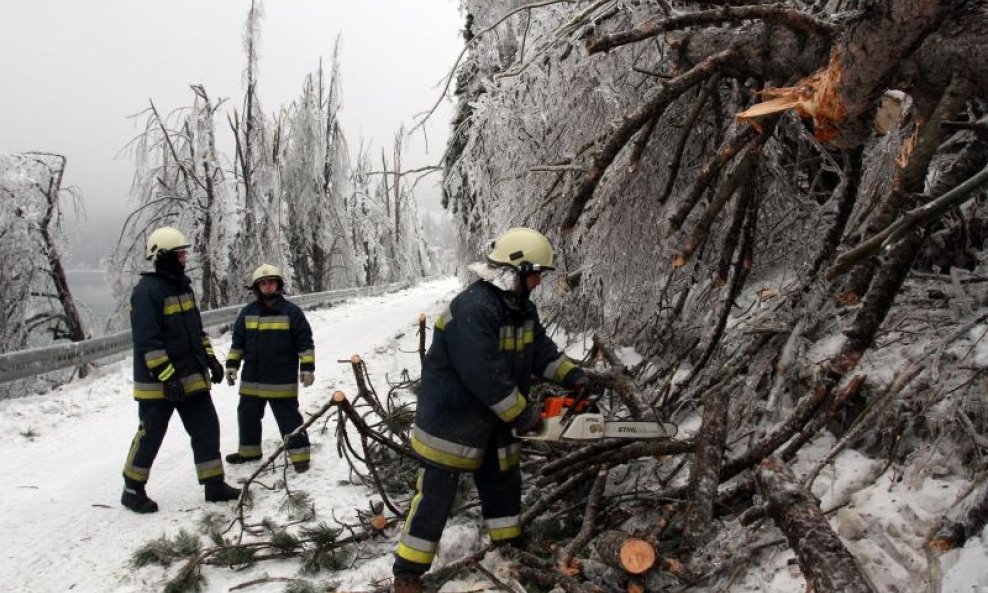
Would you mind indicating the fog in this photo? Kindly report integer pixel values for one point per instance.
(75, 74)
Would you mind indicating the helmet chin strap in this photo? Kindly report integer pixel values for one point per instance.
(524, 270)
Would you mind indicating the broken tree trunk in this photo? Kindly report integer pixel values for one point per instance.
(828, 566)
(626, 552)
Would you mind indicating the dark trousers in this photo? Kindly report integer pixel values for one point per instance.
(286, 414)
(499, 486)
(201, 423)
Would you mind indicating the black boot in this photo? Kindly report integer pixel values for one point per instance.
(136, 499)
(301, 467)
(408, 583)
(220, 491)
(237, 458)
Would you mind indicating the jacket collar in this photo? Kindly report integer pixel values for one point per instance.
(170, 277)
(274, 303)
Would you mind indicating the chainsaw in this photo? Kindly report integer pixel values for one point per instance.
(568, 418)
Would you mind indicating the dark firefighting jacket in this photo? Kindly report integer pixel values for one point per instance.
(477, 374)
(168, 336)
(275, 343)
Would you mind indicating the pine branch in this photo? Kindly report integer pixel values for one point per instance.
(774, 13)
(629, 124)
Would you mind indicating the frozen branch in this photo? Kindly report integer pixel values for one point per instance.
(771, 13)
(628, 125)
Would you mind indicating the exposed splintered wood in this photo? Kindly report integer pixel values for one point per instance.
(910, 174)
(966, 520)
(841, 98)
(827, 565)
(621, 550)
(814, 97)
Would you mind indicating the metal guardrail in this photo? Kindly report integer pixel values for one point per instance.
(37, 361)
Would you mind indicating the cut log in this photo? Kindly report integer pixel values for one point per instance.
(828, 566)
(966, 520)
(621, 550)
(379, 522)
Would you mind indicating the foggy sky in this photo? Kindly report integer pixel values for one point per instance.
(71, 74)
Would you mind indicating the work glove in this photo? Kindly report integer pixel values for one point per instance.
(174, 391)
(582, 386)
(529, 421)
(231, 376)
(307, 378)
(215, 370)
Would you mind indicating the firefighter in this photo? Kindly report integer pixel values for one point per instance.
(172, 360)
(273, 339)
(476, 377)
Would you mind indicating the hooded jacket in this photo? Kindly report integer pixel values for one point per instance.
(477, 375)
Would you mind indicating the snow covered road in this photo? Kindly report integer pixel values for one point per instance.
(61, 524)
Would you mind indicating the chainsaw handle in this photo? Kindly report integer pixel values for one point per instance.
(583, 401)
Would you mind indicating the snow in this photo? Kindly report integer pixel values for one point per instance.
(64, 529)
(60, 516)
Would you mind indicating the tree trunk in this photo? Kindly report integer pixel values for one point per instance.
(828, 566)
(621, 550)
(70, 312)
(868, 57)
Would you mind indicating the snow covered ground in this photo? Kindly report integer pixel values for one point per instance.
(62, 527)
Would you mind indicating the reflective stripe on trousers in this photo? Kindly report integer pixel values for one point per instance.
(500, 501)
(201, 423)
(250, 410)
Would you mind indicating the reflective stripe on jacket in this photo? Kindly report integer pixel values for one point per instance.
(274, 343)
(478, 372)
(168, 336)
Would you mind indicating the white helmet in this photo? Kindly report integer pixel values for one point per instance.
(163, 240)
(524, 249)
(265, 272)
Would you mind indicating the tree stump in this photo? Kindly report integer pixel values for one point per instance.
(626, 552)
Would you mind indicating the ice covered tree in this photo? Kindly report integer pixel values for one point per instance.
(286, 195)
(179, 181)
(259, 210)
(314, 178)
(384, 220)
(36, 304)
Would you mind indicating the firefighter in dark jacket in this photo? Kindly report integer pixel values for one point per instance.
(476, 377)
(172, 360)
(273, 339)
